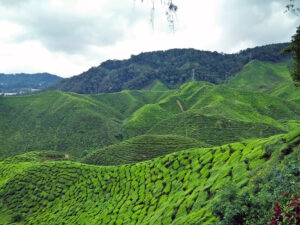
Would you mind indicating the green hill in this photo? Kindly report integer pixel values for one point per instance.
(262, 76)
(217, 102)
(179, 188)
(267, 77)
(211, 129)
(141, 148)
(77, 124)
(170, 68)
(66, 122)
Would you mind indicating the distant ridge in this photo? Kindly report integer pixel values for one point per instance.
(24, 83)
(172, 68)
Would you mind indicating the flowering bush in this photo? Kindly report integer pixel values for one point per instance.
(288, 214)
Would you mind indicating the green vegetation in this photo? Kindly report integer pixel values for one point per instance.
(172, 68)
(262, 76)
(179, 188)
(294, 47)
(79, 124)
(158, 86)
(211, 129)
(141, 148)
(66, 122)
(199, 154)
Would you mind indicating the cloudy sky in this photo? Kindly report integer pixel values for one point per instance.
(67, 37)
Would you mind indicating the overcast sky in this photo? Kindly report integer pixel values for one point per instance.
(67, 37)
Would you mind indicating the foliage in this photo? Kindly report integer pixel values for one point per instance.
(272, 183)
(262, 76)
(178, 188)
(294, 47)
(214, 114)
(288, 214)
(141, 148)
(172, 68)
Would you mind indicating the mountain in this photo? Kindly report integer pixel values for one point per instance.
(24, 83)
(186, 187)
(172, 68)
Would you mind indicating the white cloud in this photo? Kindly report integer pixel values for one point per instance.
(67, 37)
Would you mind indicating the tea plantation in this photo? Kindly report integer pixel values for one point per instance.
(141, 148)
(214, 114)
(178, 188)
(199, 154)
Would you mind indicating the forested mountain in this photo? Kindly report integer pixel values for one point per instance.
(172, 68)
(26, 82)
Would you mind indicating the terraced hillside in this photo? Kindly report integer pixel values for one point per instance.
(79, 124)
(267, 77)
(212, 130)
(66, 122)
(141, 148)
(262, 76)
(216, 105)
(178, 188)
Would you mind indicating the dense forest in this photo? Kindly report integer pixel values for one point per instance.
(23, 82)
(172, 67)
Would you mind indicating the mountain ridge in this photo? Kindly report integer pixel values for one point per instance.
(24, 83)
(171, 67)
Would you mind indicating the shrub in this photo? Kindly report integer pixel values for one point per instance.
(289, 213)
(16, 218)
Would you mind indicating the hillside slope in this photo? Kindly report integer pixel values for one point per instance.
(141, 148)
(74, 123)
(262, 76)
(219, 103)
(26, 82)
(172, 68)
(175, 189)
(65, 122)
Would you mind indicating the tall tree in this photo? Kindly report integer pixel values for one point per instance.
(295, 49)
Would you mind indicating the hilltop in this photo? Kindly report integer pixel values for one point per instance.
(141, 148)
(26, 83)
(172, 68)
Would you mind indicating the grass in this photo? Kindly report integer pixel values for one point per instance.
(173, 189)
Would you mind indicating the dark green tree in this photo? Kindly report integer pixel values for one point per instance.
(294, 48)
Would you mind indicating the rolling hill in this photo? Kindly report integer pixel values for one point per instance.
(141, 148)
(65, 122)
(178, 188)
(74, 123)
